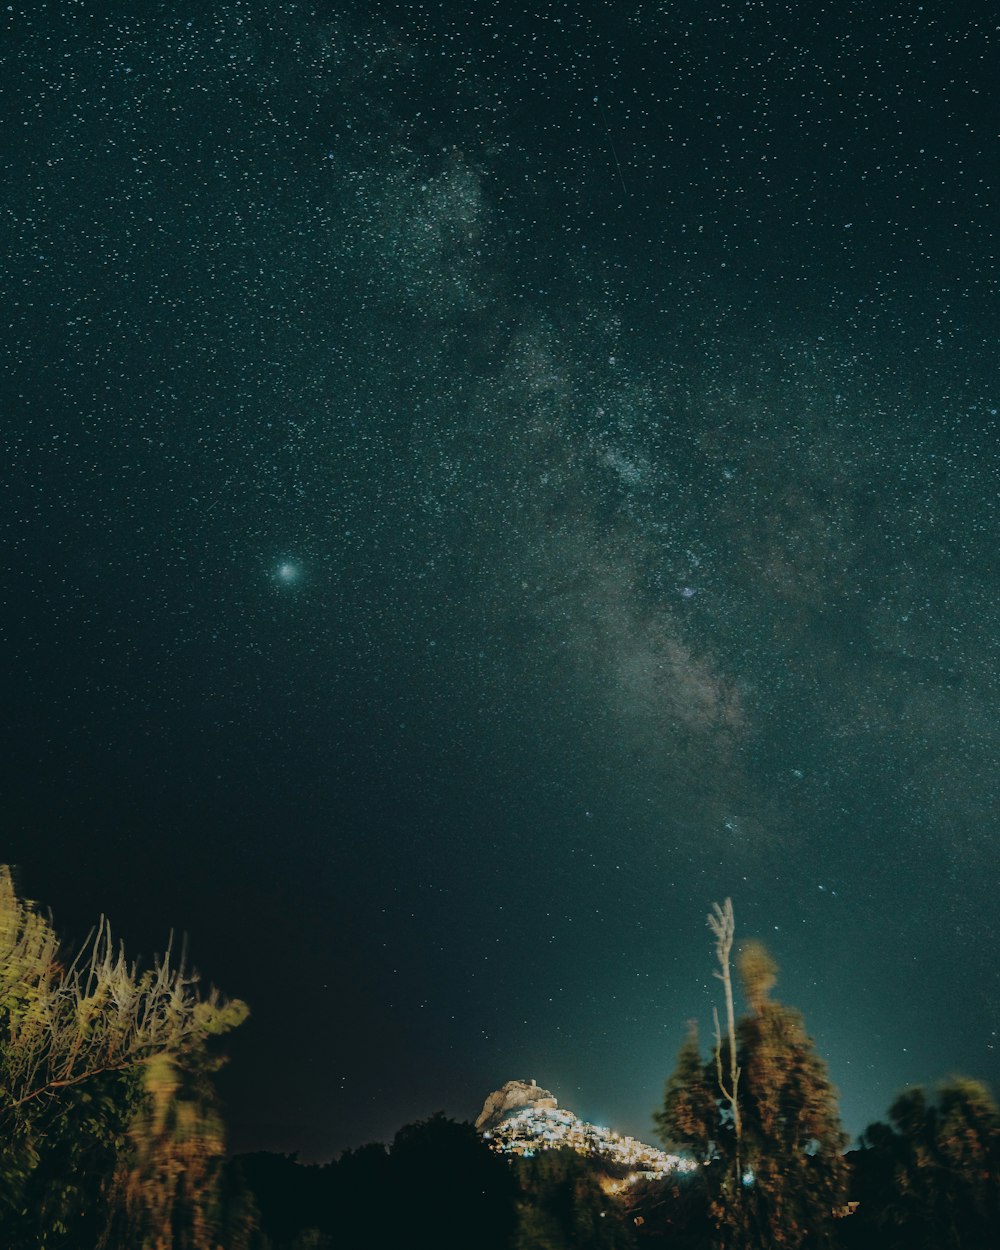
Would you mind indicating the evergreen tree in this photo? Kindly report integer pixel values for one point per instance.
(792, 1139)
(792, 1175)
(689, 1119)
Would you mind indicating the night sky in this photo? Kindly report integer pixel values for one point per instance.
(482, 482)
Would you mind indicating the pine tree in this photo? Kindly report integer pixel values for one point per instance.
(689, 1118)
(792, 1140)
(776, 1184)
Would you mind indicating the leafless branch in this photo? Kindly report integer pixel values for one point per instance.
(62, 1023)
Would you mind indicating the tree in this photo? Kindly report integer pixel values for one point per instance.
(688, 1119)
(793, 1140)
(88, 1043)
(931, 1180)
(55, 1174)
(668, 1211)
(775, 1120)
(294, 1200)
(168, 1191)
(449, 1189)
(564, 1207)
(722, 922)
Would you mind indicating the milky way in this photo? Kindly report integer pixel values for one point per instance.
(456, 533)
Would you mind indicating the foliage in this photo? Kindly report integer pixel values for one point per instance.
(166, 1193)
(294, 1201)
(931, 1180)
(447, 1182)
(793, 1143)
(669, 1211)
(98, 1060)
(67, 1153)
(563, 1206)
(774, 1176)
(66, 1018)
(112, 1137)
(688, 1118)
(438, 1184)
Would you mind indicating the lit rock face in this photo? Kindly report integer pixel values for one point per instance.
(514, 1096)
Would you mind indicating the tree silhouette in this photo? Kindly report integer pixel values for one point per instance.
(931, 1181)
(449, 1184)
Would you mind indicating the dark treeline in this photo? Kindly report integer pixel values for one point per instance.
(928, 1181)
(437, 1184)
(112, 1138)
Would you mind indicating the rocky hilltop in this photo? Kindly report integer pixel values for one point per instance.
(524, 1119)
(512, 1097)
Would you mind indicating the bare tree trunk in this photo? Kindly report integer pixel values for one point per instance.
(723, 925)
